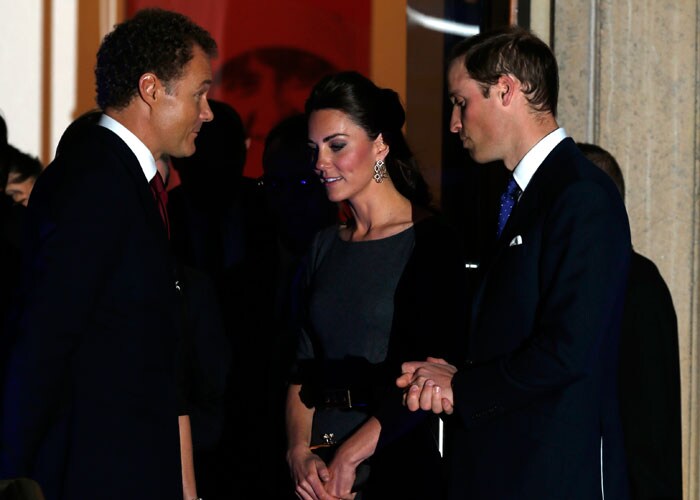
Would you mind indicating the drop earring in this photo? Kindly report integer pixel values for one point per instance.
(380, 172)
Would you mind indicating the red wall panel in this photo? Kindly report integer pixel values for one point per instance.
(272, 51)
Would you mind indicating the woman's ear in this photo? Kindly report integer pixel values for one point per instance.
(381, 147)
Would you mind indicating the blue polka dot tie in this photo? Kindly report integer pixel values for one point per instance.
(508, 200)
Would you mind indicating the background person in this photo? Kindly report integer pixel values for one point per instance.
(220, 230)
(298, 208)
(22, 172)
(650, 401)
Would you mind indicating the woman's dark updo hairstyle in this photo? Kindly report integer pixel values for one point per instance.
(377, 111)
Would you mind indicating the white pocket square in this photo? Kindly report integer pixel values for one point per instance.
(518, 240)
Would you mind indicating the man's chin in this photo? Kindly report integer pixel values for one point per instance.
(185, 152)
(478, 159)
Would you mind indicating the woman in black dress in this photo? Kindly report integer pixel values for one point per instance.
(385, 286)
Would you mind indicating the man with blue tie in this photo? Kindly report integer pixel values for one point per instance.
(534, 407)
(95, 403)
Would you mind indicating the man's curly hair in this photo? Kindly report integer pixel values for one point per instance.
(154, 40)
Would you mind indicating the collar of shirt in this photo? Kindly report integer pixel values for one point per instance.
(142, 153)
(527, 167)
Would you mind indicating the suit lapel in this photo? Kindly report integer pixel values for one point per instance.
(148, 203)
(525, 211)
(518, 222)
(524, 214)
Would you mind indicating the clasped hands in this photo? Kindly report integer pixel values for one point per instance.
(317, 480)
(428, 385)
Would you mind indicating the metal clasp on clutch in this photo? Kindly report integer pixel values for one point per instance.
(328, 441)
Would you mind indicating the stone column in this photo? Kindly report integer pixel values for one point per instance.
(629, 82)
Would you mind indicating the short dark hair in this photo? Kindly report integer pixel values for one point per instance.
(216, 167)
(22, 164)
(377, 111)
(3, 131)
(512, 51)
(4, 152)
(287, 145)
(606, 162)
(154, 40)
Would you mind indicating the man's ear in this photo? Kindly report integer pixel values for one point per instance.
(382, 148)
(148, 87)
(506, 87)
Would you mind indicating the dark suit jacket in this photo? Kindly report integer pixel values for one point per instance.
(650, 401)
(91, 394)
(539, 388)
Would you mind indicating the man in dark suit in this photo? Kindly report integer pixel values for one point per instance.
(650, 385)
(94, 387)
(535, 404)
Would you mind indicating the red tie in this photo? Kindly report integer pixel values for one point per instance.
(161, 196)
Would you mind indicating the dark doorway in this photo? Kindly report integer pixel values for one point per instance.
(471, 191)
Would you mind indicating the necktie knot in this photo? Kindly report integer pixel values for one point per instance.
(508, 200)
(511, 189)
(157, 184)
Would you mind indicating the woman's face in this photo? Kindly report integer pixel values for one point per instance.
(344, 154)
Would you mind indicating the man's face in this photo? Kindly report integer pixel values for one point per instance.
(19, 191)
(474, 117)
(180, 110)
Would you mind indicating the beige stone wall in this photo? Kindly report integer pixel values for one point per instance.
(629, 79)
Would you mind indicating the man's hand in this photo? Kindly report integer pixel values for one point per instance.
(428, 385)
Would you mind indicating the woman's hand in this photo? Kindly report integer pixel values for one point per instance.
(342, 476)
(309, 473)
(359, 446)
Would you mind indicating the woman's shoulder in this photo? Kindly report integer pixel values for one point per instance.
(328, 232)
(321, 243)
